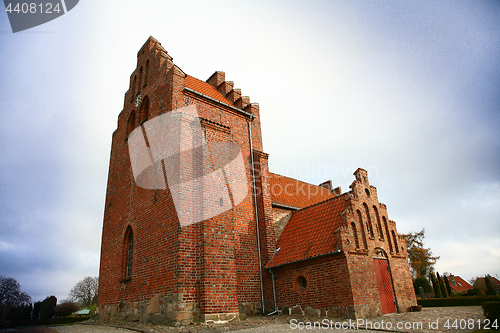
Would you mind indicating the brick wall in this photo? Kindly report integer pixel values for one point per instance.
(328, 287)
(346, 282)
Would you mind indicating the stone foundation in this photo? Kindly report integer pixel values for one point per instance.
(360, 311)
(219, 318)
(159, 310)
(250, 308)
(172, 311)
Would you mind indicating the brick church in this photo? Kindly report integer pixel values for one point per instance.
(266, 244)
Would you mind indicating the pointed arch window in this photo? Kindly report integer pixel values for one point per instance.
(134, 87)
(395, 241)
(370, 226)
(379, 226)
(363, 235)
(140, 80)
(355, 234)
(387, 233)
(144, 111)
(128, 252)
(146, 73)
(131, 122)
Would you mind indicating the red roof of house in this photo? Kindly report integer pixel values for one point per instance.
(295, 193)
(461, 284)
(480, 283)
(310, 232)
(205, 88)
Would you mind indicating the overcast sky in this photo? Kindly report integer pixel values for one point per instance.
(408, 90)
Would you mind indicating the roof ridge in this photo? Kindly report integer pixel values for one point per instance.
(332, 199)
(277, 174)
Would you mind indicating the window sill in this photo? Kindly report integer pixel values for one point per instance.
(126, 279)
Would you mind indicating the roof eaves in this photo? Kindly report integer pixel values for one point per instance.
(304, 259)
(278, 205)
(251, 116)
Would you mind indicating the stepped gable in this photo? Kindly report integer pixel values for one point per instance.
(295, 193)
(152, 43)
(226, 88)
(310, 232)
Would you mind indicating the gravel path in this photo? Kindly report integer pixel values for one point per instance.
(79, 328)
(429, 320)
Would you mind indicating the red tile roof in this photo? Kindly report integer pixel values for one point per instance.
(205, 88)
(480, 283)
(461, 284)
(295, 193)
(310, 232)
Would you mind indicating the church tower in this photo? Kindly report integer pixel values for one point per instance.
(169, 252)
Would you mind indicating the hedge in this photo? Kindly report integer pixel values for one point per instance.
(492, 311)
(457, 301)
(42, 322)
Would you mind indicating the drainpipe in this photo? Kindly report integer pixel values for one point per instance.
(256, 214)
(274, 295)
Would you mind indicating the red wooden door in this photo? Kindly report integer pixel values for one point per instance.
(384, 285)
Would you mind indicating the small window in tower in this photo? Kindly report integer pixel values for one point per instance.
(367, 192)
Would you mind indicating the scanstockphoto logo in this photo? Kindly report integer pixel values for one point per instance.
(28, 14)
(204, 178)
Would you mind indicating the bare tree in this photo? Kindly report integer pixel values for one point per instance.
(473, 279)
(84, 293)
(14, 303)
(65, 308)
(11, 294)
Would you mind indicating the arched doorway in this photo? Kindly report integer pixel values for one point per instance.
(384, 281)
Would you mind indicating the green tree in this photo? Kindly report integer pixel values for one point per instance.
(422, 282)
(48, 307)
(421, 259)
(435, 286)
(489, 287)
(474, 292)
(36, 310)
(444, 293)
(448, 286)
